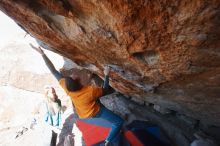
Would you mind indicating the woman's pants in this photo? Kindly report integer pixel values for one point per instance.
(49, 118)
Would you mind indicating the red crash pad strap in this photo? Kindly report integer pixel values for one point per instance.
(132, 139)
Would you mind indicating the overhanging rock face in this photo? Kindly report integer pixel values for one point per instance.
(162, 52)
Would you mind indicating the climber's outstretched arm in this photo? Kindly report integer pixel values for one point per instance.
(49, 64)
(51, 67)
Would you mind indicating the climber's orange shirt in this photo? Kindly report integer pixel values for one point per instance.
(84, 100)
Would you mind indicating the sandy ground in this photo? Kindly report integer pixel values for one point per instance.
(17, 110)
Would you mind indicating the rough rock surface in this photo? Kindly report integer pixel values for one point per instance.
(162, 52)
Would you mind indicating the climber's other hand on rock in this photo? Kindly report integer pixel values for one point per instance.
(106, 70)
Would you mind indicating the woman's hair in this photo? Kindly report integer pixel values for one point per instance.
(54, 94)
(50, 94)
(72, 84)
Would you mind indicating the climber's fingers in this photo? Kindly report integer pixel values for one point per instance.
(106, 70)
(38, 49)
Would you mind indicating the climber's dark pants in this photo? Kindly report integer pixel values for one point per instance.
(116, 121)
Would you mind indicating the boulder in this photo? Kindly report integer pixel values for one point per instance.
(161, 52)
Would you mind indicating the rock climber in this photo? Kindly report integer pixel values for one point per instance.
(85, 98)
(53, 107)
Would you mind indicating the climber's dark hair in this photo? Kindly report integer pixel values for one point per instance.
(72, 84)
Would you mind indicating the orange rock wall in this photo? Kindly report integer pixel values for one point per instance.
(165, 52)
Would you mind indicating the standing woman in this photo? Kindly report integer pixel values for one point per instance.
(53, 107)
